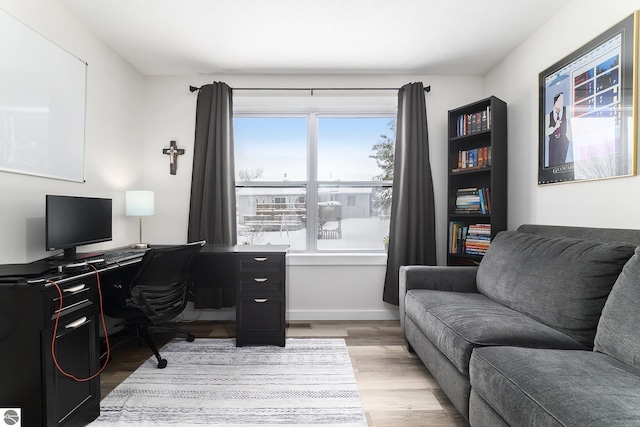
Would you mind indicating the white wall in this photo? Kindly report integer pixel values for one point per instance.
(130, 118)
(113, 144)
(319, 287)
(603, 203)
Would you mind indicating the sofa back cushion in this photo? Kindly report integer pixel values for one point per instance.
(562, 282)
(618, 332)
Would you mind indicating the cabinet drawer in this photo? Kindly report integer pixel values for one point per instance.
(77, 353)
(260, 316)
(261, 262)
(75, 296)
(261, 282)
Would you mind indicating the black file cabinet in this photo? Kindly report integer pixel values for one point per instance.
(31, 380)
(257, 273)
(260, 299)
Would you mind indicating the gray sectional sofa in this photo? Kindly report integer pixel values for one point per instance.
(544, 332)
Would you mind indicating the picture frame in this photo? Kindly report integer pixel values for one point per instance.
(588, 109)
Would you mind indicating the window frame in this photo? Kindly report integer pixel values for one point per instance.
(312, 181)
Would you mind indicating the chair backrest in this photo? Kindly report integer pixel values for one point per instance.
(159, 288)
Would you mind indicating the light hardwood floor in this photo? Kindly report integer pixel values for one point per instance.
(395, 387)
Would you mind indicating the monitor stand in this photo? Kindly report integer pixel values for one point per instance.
(71, 254)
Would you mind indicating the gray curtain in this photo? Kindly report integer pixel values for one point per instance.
(212, 211)
(412, 238)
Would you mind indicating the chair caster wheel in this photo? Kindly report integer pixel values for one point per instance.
(162, 364)
(190, 338)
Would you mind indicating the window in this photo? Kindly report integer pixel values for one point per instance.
(316, 182)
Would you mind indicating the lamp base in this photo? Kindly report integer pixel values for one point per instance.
(139, 245)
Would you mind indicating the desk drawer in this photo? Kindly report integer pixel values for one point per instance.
(75, 296)
(261, 282)
(261, 262)
(261, 315)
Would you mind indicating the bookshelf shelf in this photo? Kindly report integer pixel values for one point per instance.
(465, 259)
(484, 169)
(476, 135)
(477, 185)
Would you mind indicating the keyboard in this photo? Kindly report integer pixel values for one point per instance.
(113, 257)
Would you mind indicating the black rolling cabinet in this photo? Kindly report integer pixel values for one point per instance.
(477, 184)
(260, 298)
(30, 379)
(258, 275)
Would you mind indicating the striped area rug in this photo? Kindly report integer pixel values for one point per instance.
(212, 382)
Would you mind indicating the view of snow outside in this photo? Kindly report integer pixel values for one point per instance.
(274, 150)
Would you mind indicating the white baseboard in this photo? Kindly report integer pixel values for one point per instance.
(226, 314)
(343, 314)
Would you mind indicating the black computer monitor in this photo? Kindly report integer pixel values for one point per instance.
(74, 221)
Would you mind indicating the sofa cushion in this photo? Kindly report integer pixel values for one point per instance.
(562, 282)
(456, 323)
(618, 332)
(532, 387)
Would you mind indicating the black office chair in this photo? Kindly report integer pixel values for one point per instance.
(156, 294)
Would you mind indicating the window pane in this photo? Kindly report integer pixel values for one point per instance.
(272, 215)
(346, 144)
(349, 220)
(347, 216)
(270, 148)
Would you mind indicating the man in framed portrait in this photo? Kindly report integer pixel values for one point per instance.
(558, 133)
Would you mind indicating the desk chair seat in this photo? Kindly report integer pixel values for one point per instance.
(156, 294)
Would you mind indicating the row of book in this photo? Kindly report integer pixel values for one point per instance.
(472, 239)
(474, 158)
(474, 122)
(473, 200)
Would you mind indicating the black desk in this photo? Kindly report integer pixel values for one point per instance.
(252, 277)
(28, 377)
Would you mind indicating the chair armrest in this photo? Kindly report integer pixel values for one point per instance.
(437, 278)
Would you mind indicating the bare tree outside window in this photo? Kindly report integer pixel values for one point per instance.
(383, 153)
(250, 174)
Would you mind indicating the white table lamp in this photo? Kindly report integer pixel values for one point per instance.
(139, 203)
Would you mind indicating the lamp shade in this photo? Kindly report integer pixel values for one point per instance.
(139, 203)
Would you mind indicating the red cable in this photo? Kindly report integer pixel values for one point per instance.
(55, 332)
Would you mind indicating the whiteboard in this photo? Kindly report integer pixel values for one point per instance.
(42, 105)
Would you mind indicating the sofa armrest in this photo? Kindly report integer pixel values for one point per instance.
(435, 277)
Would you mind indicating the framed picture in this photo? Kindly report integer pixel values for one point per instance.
(588, 110)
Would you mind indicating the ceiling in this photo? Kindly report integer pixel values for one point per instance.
(433, 37)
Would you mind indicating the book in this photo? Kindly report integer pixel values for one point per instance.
(455, 228)
(473, 122)
(472, 200)
(478, 239)
(473, 158)
(471, 239)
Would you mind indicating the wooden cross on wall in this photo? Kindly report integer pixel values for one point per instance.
(173, 151)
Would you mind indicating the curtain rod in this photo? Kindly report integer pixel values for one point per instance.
(311, 89)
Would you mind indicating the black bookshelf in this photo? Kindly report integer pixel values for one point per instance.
(477, 184)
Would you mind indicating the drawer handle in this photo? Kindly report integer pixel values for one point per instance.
(81, 321)
(75, 288)
(260, 279)
(260, 259)
(260, 300)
